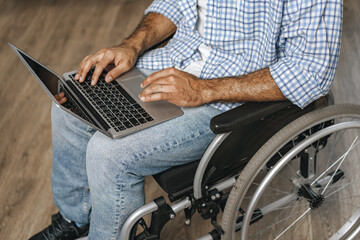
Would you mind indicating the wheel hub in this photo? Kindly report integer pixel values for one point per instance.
(315, 200)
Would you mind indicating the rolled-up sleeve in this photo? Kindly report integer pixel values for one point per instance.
(167, 8)
(309, 49)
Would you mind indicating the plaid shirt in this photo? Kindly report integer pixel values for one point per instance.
(299, 40)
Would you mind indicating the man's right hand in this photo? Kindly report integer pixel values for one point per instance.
(123, 57)
(153, 29)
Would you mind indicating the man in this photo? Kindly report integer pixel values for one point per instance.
(222, 53)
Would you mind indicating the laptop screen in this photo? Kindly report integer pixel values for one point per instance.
(49, 79)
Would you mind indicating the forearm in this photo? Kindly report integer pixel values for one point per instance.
(258, 86)
(153, 29)
(186, 90)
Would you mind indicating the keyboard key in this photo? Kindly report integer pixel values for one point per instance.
(133, 111)
(142, 120)
(117, 107)
(145, 115)
(141, 110)
(137, 106)
(127, 124)
(125, 94)
(134, 122)
(149, 119)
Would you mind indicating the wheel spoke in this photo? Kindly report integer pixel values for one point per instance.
(257, 184)
(332, 165)
(280, 221)
(340, 164)
(345, 185)
(334, 144)
(302, 215)
(295, 230)
(309, 228)
(343, 198)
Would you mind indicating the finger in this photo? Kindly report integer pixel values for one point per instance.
(59, 96)
(87, 64)
(157, 88)
(77, 76)
(116, 72)
(62, 100)
(100, 68)
(156, 97)
(160, 74)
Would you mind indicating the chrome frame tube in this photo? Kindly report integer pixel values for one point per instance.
(134, 217)
(269, 177)
(224, 184)
(354, 234)
(279, 203)
(206, 237)
(147, 209)
(205, 161)
(176, 207)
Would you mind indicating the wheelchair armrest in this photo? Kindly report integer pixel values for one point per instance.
(244, 114)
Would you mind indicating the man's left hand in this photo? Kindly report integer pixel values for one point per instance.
(175, 86)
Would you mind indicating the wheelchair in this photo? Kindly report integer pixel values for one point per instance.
(273, 171)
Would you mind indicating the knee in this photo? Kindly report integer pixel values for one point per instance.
(102, 162)
(108, 159)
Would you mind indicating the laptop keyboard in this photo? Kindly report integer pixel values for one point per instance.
(70, 104)
(119, 109)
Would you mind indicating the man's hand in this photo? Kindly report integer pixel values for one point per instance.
(122, 56)
(175, 86)
(186, 90)
(153, 29)
(61, 98)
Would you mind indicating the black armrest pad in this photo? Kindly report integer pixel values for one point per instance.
(242, 115)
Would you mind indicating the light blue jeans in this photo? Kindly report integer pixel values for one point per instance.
(100, 181)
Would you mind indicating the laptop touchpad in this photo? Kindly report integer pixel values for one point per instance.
(133, 84)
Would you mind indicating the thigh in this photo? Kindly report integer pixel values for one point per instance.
(150, 151)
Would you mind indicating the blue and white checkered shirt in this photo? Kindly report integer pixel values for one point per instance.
(299, 40)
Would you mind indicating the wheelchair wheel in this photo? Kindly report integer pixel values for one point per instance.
(303, 183)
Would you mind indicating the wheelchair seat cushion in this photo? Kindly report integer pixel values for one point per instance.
(177, 178)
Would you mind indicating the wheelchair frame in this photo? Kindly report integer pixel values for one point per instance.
(207, 197)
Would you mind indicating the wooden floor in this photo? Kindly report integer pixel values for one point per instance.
(60, 34)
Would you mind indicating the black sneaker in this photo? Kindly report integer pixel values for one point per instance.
(61, 229)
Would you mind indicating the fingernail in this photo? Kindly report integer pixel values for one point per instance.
(142, 98)
(77, 76)
(108, 79)
(81, 79)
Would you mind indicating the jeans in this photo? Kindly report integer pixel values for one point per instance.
(99, 180)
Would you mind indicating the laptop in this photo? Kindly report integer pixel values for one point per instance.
(112, 108)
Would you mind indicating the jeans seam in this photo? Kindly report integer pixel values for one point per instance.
(86, 205)
(119, 203)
